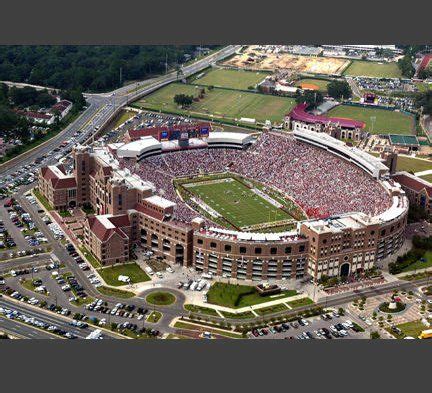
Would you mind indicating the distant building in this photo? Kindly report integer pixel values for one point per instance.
(418, 191)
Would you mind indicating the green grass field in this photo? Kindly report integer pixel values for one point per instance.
(427, 178)
(322, 84)
(236, 203)
(373, 69)
(238, 296)
(413, 165)
(110, 274)
(419, 264)
(411, 329)
(124, 115)
(222, 104)
(387, 122)
(115, 292)
(233, 79)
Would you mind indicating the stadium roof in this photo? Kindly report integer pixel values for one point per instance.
(229, 137)
(136, 148)
(299, 113)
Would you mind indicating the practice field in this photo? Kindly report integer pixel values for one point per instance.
(386, 122)
(373, 69)
(307, 83)
(233, 79)
(238, 204)
(412, 164)
(428, 178)
(222, 104)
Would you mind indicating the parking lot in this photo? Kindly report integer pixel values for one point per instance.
(314, 328)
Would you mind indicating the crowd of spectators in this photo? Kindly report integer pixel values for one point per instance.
(321, 183)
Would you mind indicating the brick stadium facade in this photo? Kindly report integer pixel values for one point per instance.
(129, 214)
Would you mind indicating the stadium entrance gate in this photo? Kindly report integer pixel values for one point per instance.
(344, 270)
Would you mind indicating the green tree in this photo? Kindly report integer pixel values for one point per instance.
(310, 97)
(338, 89)
(183, 100)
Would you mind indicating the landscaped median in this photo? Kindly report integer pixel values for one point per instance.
(160, 298)
(154, 317)
(42, 199)
(201, 327)
(115, 292)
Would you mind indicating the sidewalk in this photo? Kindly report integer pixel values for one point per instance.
(270, 303)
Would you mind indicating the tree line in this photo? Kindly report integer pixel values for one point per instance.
(87, 68)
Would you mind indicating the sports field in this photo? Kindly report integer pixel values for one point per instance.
(412, 164)
(233, 79)
(319, 83)
(373, 69)
(428, 178)
(238, 204)
(386, 122)
(219, 103)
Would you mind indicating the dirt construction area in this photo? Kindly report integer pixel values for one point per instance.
(254, 59)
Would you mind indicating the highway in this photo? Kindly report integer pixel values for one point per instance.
(103, 107)
(21, 330)
(47, 317)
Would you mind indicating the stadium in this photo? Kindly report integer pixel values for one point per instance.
(271, 206)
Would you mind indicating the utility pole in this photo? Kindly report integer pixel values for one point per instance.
(166, 62)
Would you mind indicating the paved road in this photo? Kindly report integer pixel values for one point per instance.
(51, 318)
(24, 262)
(21, 330)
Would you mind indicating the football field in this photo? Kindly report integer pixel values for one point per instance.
(219, 103)
(238, 204)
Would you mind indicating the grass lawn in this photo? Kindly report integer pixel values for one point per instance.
(222, 104)
(412, 329)
(90, 257)
(237, 296)
(373, 69)
(42, 199)
(160, 298)
(115, 292)
(203, 328)
(65, 213)
(412, 164)
(234, 79)
(239, 205)
(201, 310)
(154, 317)
(427, 178)
(386, 122)
(125, 115)
(240, 315)
(419, 264)
(271, 309)
(422, 87)
(322, 84)
(300, 302)
(135, 273)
